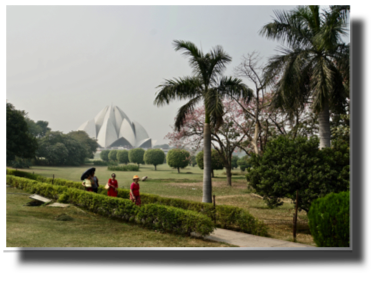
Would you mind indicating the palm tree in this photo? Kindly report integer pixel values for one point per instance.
(314, 66)
(207, 85)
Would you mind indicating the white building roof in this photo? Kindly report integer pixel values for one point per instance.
(112, 124)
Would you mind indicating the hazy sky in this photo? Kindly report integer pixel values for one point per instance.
(66, 63)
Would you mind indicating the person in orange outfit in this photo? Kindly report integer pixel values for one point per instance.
(134, 191)
(113, 186)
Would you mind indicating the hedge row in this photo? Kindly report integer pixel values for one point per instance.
(123, 168)
(152, 216)
(228, 217)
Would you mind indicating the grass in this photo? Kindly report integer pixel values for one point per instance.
(188, 185)
(39, 227)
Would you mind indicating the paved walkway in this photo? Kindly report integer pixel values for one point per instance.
(248, 240)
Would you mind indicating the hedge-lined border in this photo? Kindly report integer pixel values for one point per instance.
(152, 216)
(227, 217)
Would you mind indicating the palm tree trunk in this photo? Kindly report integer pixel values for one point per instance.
(207, 186)
(324, 126)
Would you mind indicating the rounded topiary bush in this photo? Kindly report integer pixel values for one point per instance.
(329, 220)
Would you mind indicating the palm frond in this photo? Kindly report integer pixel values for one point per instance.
(184, 111)
(234, 88)
(181, 88)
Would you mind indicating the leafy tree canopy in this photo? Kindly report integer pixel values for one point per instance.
(19, 140)
(215, 160)
(123, 156)
(178, 158)
(154, 157)
(112, 155)
(136, 156)
(105, 155)
(89, 143)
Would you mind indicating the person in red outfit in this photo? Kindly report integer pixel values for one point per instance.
(134, 191)
(113, 186)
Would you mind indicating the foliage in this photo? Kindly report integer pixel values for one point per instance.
(193, 160)
(244, 163)
(177, 158)
(37, 129)
(215, 160)
(314, 67)
(20, 163)
(123, 168)
(341, 130)
(159, 217)
(113, 155)
(90, 144)
(228, 217)
(290, 165)
(136, 156)
(234, 161)
(61, 149)
(154, 157)
(20, 142)
(123, 156)
(99, 163)
(329, 220)
(105, 155)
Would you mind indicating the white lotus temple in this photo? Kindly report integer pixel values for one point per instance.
(112, 128)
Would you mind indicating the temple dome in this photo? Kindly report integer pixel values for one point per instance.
(112, 128)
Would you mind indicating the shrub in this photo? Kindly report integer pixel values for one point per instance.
(123, 168)
(244, 163)
(228, 217)
(105, 155)
(112, 155)
(154, 157)
(178, 158)
(153, 216)
(136, 156)
(123, 156)
(329, 220)
(112, 163)
(288, 165)
(99, 163)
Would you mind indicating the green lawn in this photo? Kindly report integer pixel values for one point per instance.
(37, 227)
(188, 185)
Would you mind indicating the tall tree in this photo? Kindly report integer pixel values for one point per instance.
(207, 86)
(20, 142)
(314, 66)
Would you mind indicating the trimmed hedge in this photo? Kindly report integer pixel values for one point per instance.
(329, 220)
(99, 163)
(228, 217)
(124, 168)
(152, 216)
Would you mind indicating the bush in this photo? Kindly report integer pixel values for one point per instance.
(154, 157)
(288, 165)
(227, 217)
(153, 216)
(329, 220)
(216, 160)
(20, 163)
(105, 155)
(112, 155)
(123, 168)
(136, 156)
(99, 163)
(123, 156)
(244, 163)
(112, 163)
(178, 158)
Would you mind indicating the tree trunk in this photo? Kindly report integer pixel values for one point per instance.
(324, 126)
(207, 185)
(178, 171)
(212, 173)
(255, 136)
(229, 176)
(155, 167)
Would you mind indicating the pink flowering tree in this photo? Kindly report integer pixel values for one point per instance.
(230, 136)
